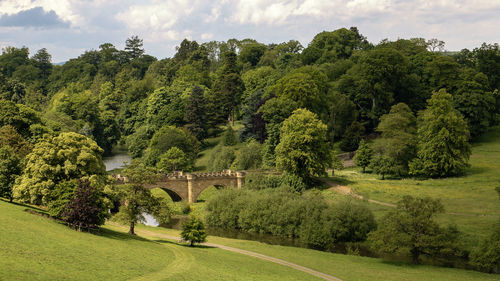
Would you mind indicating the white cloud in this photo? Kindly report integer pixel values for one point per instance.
(63, 8)
(207, 36)
(157, 15)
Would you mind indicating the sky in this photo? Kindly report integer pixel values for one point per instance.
(67, 28)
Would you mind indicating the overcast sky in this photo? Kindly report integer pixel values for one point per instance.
(69, 27)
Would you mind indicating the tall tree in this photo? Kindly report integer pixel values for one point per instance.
(443, 148)
(134, 47)
(227, 90)
(303, 149)
(398, 141)
(195, 115)
(54, 160)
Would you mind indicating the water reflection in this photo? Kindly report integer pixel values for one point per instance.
(118, 160)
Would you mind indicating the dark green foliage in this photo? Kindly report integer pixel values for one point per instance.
(138, 142)
(11, 138)
(133, 47)
(87, 209)
(363, 155)
(486, 256)
(195, 114)
(411, 228)
(303, 149)
(443, 148)
(61, 196)
(10, 169)
(278, 212)
(352, 137)
(229, 137)
(193, 231)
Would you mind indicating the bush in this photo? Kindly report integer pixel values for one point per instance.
(305, 216)
(229, 137)
(193, 231)
(221, 158)
(249, 156)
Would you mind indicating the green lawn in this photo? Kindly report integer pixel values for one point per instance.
(347, 268)
(471, 201)
(33, 247)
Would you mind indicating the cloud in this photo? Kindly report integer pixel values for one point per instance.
(35, 17)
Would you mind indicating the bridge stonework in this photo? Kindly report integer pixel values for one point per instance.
(188, 186)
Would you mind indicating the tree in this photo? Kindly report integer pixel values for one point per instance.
(193, 231)
(195, 115)
(136, 199)
(10, 137)
(229, 137)
(221, 158)
(53, 160)
(249, 156)
(363, 155)
(10, 169)
(133, 46)
(411, 227)
(87, 209)
(352, 136)
(443, 148)
(398, 141)
(227, 90)
(435, 45)
(168, 137)
(173, 160)
(303, 149)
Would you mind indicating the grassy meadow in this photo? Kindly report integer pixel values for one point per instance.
(470, 201)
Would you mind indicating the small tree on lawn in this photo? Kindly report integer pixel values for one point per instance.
(382, 165)
(411, 227)
(363, 155)
(193, 231)
(87, 209)
(136, 199)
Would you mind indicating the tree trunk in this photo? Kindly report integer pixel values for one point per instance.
(192, 243)
(10, 199)
(132, 227)
(415, 253)
(383, 176)
(364, 167)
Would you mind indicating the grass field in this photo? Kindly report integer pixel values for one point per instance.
(33, 247)
(471, 201)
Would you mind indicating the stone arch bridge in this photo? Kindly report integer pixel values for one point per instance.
(188, 186)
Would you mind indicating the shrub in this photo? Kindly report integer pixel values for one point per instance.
(249, 156)
(221, 158)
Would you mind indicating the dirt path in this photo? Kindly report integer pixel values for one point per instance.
(249, 253)
(345, 190)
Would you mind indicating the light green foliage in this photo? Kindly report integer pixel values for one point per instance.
(221, 158)
(363, 155)
(398, 140)
(135, 199)
(249, 157)
(173, 160)
(56, 159)
(193, 231)
(411, 228)
(10, 169)
(383, 165)
(303, 149)
(168, 137)
(443, 148)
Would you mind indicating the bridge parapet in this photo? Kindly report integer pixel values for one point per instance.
(190, 185)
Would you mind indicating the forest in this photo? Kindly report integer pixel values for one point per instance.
(408, 107)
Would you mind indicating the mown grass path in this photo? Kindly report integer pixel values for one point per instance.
(182, 259)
